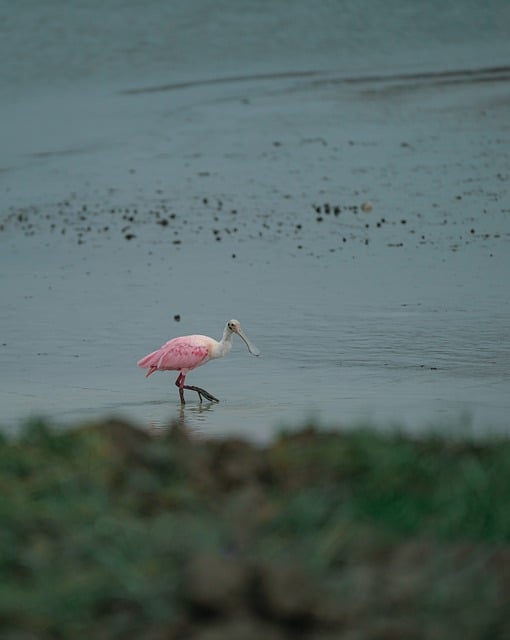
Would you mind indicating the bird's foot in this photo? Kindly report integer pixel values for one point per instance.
(202, 392)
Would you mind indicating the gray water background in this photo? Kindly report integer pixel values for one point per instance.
(162, 158)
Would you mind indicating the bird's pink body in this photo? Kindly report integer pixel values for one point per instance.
(180, 354)
(189, 352)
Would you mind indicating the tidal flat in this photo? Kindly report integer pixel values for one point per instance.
(339, 185)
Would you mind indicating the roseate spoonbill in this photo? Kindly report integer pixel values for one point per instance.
(189, 352)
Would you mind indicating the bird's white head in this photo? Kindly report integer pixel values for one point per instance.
(234, 326)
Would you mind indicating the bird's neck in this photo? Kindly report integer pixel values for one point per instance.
(223, 347)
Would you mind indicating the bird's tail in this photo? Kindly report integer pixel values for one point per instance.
(149, 362)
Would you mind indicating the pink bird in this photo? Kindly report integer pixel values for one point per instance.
(189, 352)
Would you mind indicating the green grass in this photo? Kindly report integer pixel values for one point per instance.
(98, 524)
(444, 489)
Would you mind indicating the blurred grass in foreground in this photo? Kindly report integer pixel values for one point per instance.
(106, 532)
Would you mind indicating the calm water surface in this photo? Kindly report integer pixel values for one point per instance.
(162, 178)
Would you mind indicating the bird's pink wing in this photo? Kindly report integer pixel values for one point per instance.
(184, 353)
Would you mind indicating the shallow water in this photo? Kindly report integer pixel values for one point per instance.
(144, 196)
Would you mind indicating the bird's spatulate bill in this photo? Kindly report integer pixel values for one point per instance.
(251, 347)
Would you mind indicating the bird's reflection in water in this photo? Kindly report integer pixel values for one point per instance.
(189, 419)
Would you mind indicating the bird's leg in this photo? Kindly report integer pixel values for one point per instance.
(201, 392)
(180, 383)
